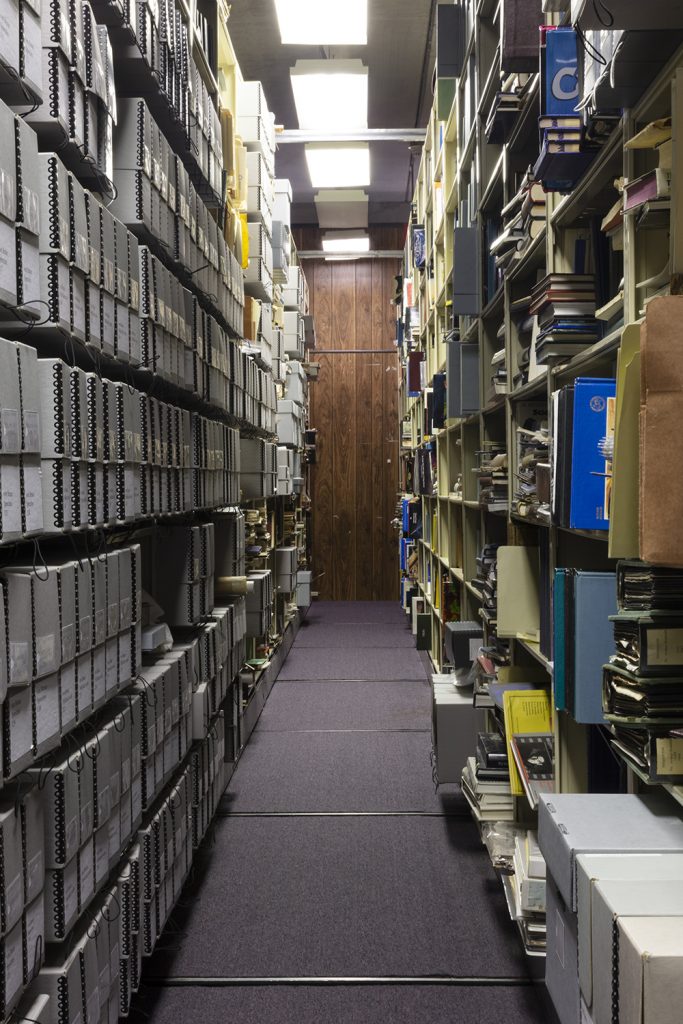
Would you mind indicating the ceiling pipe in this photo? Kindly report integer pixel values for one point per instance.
(374, 254)
(295, 135)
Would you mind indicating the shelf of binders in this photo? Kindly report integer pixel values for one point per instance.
(481, 186)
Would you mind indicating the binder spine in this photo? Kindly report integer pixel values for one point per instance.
(92, 416)
(106, 413)
(3, 905)
(58, 494)
(53, 79)
(120, 453)
(72, 98)
(134, 586)
(76, 435)
(63, 1000)
(140, 125)
(53, 287)
(92, 494)
(615, 971)
(124, 900)
(58, 922)
(120, 492)
(58, 408)
(60, 818)
(139, 205)
(33, 633)
(6, 749)
(84, 988)
(21, 297)
(76, 495)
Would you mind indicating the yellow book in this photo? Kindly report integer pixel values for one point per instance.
(524, 711)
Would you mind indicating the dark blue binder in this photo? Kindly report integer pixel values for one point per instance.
(593, 406)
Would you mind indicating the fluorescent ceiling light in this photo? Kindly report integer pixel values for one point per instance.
(330, 93)
(346, 244)
(339, 166)
(342, 208)
(323, 22)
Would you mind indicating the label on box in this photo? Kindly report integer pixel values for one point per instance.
(9, 428)
(72, 833)
(46, 654)
(664, 646)
(34, 872)
(670, 755)
(18, 661)
(86, 820)
(68, 643)
(33, 500)
(101, 858)
(31, 431)
(559, 937)
(14, 898)
(85, 632)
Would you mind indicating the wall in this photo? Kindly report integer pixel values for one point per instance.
(354, 408)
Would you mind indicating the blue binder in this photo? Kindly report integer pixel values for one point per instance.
(583, 640)
(593, 398)
(559, 638)
(561, 73)
(595, 599)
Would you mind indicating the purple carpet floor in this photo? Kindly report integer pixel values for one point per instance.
(349, 1005)
(351, 897)
(334, 856)
(294, 706)
(337, 663)
(354, 634)
(334, 772)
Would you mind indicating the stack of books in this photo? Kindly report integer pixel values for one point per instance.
(565, 307)
(486, 780)
(492, 474)
(532, 491)
(651, 192)
(523, 220)
(565, 153)
(523, 715)
(529, 891)
(499, 372)
(506, 106)
(643, 682)
(489, 801)
(524, 322)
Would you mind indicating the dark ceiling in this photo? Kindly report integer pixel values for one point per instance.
(400, 59)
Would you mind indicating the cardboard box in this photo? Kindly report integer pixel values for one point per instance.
(33, 928)
(592, 868)
(17, 714)
(12, 969)
(661, 470)
(54, 378)
(573, 824)
(650, 979)
(63, 884)
(570, 824)
(10, 400)
(611, 901)
(562, 955)
(11, 869)
(455, 724)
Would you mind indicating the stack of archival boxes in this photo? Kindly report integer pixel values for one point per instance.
(256, 128)
(291, 409)
(614, 905)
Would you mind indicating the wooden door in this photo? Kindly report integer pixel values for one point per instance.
(354, 406)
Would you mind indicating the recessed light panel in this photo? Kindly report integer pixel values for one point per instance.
(340, 166)
(331, 94)
(323, 22)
